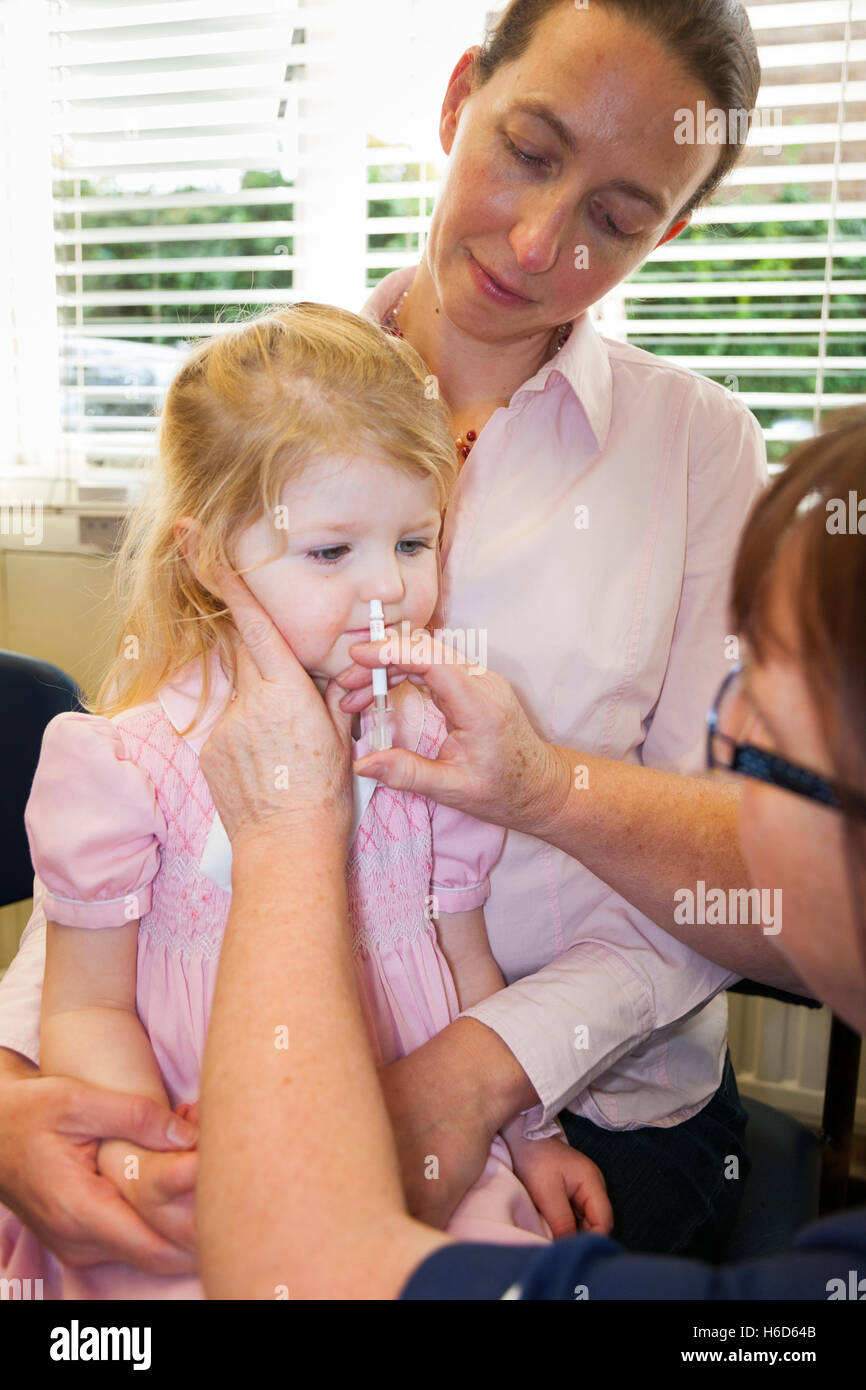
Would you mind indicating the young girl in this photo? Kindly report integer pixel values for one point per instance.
(304, 451)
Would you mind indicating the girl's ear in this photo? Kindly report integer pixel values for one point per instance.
(187, 533)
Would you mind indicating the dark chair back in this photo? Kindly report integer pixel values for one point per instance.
(31, 693)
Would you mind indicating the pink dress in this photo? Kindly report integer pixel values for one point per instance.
(119, 820)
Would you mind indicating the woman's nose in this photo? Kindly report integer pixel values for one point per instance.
(538, 234)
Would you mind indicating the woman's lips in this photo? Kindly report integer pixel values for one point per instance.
(492, 288)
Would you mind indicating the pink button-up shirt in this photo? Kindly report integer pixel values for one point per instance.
(591, 538)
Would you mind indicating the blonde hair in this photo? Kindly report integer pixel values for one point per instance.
(248, 411)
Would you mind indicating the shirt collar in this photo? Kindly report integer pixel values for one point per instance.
(583, 363)
(179, 700)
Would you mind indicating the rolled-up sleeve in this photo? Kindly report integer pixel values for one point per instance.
(590, 987)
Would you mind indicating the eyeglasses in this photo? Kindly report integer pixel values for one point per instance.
(725, 752)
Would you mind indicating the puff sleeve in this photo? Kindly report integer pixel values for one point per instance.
(94, 825)
(464, 852)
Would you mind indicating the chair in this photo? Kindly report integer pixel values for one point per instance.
(31, 693)
(795, 1175)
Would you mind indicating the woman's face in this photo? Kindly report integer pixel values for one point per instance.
(797, 845)
(560, 226)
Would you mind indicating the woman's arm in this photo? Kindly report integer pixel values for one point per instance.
(685, 828)
(645, 833)
(329, 1216)
(286, 1040)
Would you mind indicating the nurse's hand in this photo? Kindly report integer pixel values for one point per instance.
(493, 765)
(279, 760)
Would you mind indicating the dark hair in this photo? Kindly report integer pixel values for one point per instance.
(800, 516)
(712, 39)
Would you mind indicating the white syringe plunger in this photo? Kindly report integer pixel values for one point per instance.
(380, 734)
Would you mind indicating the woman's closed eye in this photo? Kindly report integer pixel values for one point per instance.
(332, 554)
(538, 161)
(522, 157)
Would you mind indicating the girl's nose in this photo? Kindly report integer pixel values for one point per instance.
(385, 583)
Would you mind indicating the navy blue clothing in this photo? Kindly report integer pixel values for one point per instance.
(596, 1268)
(671, 1189)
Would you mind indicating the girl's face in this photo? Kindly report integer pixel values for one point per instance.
(598, 181)
(797, 845)
(354, 530)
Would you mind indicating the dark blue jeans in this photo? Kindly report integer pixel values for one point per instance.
(668, 1187)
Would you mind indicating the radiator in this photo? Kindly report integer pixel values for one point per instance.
(779, 1053)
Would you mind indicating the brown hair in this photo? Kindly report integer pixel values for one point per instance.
(712, 39)
(250, 408)
(801, 516)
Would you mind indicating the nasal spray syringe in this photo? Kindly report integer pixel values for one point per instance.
(380, 734)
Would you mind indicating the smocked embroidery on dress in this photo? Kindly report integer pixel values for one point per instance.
(391, 861)
(188, 911)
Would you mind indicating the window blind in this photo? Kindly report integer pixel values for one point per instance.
(203, 160)
(764, 292)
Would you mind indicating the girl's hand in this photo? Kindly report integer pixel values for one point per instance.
(566, 1186)
(279, 761)
(188, 1110)
(160, 1187)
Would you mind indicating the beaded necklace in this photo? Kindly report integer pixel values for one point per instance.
(391, 324)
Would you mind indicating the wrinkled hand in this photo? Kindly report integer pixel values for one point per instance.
(566, 1186)
(493, 765)
(50, 1131)
(279, 760)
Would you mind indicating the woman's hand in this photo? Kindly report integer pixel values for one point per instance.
(50, 1128)
(493, 765)
(278, 763)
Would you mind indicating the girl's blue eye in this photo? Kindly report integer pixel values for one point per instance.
(332, 554)
(327, 550)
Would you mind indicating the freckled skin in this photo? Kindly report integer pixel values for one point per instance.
(819, 922)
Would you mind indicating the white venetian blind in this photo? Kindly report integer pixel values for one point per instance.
(204, 159)
(197, 152)
(766, 291)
